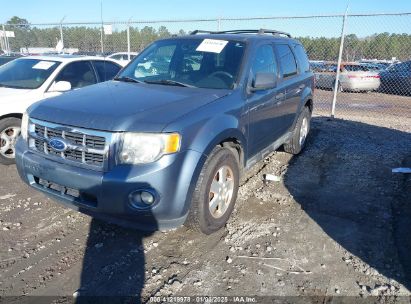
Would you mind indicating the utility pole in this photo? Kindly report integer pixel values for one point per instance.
(61, 32)
(6, 41)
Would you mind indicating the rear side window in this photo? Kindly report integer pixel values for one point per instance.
(302, 58)
(287, 60)
(117, 57)
(106, 70)
(264, 61)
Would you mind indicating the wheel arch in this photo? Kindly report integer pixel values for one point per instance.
(12, 115)
(232, 139)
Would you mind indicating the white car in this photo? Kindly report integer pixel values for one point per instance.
(122, 57)
(27, 80)
(353, 77)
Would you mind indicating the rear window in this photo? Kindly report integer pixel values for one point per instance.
(356, 68)
(106, 70)
(287, 60)
(302, 58)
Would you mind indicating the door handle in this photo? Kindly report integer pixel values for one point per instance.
(279, 96)
(302, 86)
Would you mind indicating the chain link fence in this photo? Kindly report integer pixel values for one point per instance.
(375, 69)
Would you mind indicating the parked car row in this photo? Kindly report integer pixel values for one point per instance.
(122, 58)
(364, 76)
(167, 141)
(4, 58)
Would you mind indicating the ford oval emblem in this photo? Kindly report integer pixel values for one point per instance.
(58, 145)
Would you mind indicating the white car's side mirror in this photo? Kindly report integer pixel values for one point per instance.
(60, 86)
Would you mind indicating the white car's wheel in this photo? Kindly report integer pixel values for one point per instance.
(9, 132)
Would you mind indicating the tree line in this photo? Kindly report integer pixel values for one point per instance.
(88, 39)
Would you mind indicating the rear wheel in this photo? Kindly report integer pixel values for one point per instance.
(300, 132)
(9, 131)
(215, 193)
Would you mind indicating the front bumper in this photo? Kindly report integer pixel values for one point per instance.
(106, 194)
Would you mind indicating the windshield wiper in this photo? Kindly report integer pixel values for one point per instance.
(127, 79)
(170, 82)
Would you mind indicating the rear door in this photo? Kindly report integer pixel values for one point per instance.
(106, 70)
(291, 82)
(264, 118)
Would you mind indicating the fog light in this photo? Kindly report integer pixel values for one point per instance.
(147, 198)
(142, 199)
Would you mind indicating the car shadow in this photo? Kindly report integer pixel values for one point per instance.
(113, 268)
(349, 191)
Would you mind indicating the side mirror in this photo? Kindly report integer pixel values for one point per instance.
(263, 81)
(60, 86)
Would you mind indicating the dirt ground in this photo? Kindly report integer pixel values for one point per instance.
(337, 224)
(372, 104)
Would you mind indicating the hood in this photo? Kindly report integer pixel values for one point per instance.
(17, 100)
(7, 94)
(121, 106)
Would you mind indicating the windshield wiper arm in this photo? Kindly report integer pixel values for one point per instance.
(127, 79)
(170, 82)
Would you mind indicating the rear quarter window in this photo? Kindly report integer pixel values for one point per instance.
(302, 58)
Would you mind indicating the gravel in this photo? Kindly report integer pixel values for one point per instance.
(335, 224)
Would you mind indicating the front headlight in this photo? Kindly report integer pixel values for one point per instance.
(25, 126)
(141, 148)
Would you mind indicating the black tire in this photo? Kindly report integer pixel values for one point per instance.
(200, 217)
(339, 88)
(4, 125)
(294, 146)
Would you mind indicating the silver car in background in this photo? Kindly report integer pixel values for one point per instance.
(353, 77)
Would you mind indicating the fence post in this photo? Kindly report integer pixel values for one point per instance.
(6, 41)
(102, 28)
(2, 44)
(337, 77)
(128, 40)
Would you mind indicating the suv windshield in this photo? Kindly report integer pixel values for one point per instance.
(203, 63)
(26, 73)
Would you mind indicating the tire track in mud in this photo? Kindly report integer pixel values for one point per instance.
(38, 265)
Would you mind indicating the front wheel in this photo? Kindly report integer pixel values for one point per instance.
(300, 132)
(215, 193)
(9, 131)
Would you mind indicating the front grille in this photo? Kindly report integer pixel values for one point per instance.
(84, 147)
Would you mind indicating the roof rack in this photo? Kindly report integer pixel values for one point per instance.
(260, 32)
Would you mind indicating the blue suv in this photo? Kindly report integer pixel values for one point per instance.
(167, 141)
